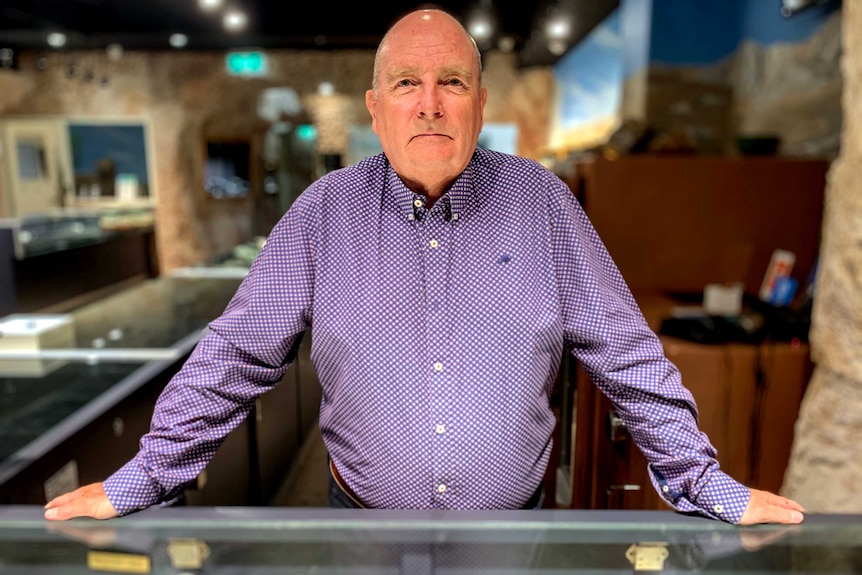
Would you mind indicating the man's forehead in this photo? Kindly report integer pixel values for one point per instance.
(425, 58)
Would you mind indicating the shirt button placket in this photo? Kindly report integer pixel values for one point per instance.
(436, 273)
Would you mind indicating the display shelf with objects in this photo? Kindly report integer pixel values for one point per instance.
(82, 420)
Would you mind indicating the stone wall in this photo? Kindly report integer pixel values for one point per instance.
(825, 471)
(187, 97)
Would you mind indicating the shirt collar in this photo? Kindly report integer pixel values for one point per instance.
(453, 202)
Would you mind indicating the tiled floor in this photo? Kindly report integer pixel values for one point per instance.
(308, 482)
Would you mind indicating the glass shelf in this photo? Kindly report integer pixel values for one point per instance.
(161, 314)
(309, 540)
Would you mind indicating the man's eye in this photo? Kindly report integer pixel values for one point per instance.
(403, 83)
(454, 82)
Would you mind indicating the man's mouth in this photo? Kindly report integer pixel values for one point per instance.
(432, 135)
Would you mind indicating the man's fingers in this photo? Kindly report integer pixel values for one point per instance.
(87, 501)
(64, 499)
(777, 500)
(765, 507)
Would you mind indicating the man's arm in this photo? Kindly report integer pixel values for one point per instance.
(610, 338)
(246, 352)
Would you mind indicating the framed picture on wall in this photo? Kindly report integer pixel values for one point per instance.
(110, 160)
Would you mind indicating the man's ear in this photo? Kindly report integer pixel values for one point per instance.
(371, 104)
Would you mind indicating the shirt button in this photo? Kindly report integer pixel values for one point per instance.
(454, 216)
(434, 244)
(665, 489)
(440, 428)
(438, 367)
(410, 216)
(441, 488)
(417, 203)
(718, 508)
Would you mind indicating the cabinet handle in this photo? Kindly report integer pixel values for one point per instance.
(616, 428)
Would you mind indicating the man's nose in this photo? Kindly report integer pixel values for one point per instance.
(430, 104)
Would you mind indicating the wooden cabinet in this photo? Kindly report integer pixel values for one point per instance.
(748, 399)
(674, 225)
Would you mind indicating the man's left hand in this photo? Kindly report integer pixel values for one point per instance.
(766, 507)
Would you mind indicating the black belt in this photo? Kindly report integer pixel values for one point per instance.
(531, 503)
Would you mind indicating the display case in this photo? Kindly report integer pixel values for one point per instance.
(81, 420)
(308, 540)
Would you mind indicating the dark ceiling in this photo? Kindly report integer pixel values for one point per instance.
(273, 24)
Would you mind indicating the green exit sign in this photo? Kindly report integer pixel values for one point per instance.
(246, 63)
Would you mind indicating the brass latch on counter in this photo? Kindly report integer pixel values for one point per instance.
(647, 556)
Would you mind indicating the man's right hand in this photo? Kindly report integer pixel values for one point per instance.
(87, 501)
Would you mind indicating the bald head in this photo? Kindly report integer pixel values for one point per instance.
(422, 22)
(427, 101)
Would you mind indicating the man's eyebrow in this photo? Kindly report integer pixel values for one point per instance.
(459, 71)
(409, 71)
(401, 72)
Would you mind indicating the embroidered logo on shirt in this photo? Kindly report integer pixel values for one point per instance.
(504, 259)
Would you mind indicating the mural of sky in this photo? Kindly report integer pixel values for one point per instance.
(590, 77)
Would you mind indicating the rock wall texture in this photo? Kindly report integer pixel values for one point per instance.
(187, 97)
(825, 470)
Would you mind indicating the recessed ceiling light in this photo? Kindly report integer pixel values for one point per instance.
(480, 28)
(235, 20)
(325, 89)
(178, 40)
(114, 51)
(558, 28)
(506, 43)
(210, 5)
(56, 39)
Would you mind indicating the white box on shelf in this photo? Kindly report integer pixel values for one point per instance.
(34, 333)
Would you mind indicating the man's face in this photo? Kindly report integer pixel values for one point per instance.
(429, 105)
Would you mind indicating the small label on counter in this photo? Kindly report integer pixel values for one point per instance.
(118, 562)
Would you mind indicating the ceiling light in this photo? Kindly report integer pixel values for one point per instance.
(480, 28)
(178, 40)
(114, 51)
(325, 89)
(558, 28)
(56, 39)
(234, 20)
(506, 43)
(210, 5)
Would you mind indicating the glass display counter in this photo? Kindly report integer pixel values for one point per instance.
(249, 540)
(121, 348)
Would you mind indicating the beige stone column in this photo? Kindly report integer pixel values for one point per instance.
(825, 470)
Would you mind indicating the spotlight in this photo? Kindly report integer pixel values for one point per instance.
(178, 40)
(234, 20)
(56, 39)
(210, 5)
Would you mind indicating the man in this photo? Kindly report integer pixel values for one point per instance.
(441, 283)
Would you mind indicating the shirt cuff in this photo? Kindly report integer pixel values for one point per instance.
(132, 489)
(722, 498)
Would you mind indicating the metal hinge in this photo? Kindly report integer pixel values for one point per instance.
(648, 555)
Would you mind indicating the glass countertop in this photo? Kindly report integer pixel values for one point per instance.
(164, 314)
(270, 540)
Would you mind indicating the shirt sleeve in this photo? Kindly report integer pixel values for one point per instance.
(246, 352)
(609, 336)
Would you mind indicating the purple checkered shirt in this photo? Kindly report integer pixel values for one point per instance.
(437, 335)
